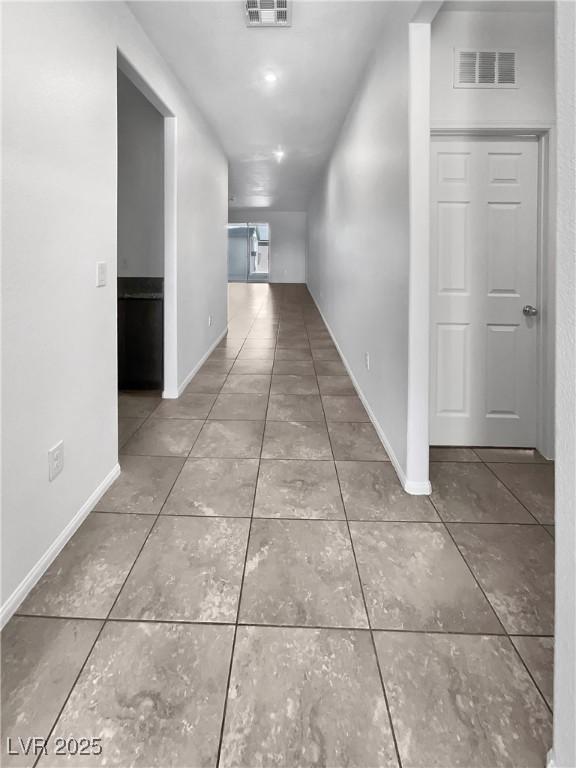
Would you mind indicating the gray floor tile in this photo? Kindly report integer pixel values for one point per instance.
(336, 385)
(344, 408)
(513, 455)
(462, 700)
(126, 428)
(85, 578)
(292, 353)
(533, 484)
(258, 353)
(164, 707)
(295, 408)
(206, 383)
(189, 406)
(226, 351)
(515, 567)
(229, 440)
(551, 530)
(322, 343)
(252, 366)
(247, 384)
(415, 579)
(164, 437)
(137, 405)
(371, 491)
(239, 407)
(214, 487)
(452, 454)
(296, 440)
(295, 367)
(330, 368)
(293, 385)
(189, 570)
(218, 365)
(538, 655)
(302, 489)
(466, 492)
(301, 572)
(327, 353)
(259, 344)
(305, 697)
(143, 485)
(356, 442)
(41, 658)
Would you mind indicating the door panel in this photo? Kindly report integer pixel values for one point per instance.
(484, 267)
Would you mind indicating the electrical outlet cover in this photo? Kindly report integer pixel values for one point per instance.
(55, 460)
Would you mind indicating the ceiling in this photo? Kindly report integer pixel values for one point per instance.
(318, 63)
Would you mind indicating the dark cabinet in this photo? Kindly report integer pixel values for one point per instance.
(140, 337)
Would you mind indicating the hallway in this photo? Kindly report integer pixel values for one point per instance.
(256, 589)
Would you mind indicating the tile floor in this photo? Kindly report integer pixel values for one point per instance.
(256, 589)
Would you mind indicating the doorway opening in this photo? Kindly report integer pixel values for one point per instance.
(140, 240)
(249, 252)
(489, 385)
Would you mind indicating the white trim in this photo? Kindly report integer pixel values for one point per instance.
(170, 336)
(547, 292)
(550, 762)
(28, 582)
(492, 126)
(417, 419)
(196, 368)
(414, 488)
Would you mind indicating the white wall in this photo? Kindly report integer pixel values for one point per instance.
(287, 241)
(59, 216)
(140, 184)
(565, 626)
(529, 33)
(358, 223)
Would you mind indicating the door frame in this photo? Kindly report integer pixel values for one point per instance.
(170, 340)
(269, 251)
(544, 134)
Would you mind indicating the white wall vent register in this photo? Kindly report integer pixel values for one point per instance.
(484, 69)
(268, 13)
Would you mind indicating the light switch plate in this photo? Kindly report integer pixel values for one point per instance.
(101, 274)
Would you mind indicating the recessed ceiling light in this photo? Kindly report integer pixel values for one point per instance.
(270, 77)
(279, 154)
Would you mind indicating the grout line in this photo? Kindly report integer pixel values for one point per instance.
(434, 521)
(489, 468)
(240, 591)
(477, 580)
(260, 624)
(368, 619)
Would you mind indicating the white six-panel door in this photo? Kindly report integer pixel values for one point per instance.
(484, 271)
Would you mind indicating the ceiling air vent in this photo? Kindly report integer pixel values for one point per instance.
(267, 13)
(484, 69)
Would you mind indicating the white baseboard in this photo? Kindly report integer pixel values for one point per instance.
(550, 762)
(174, 394)
(25, 586)
(411, 487)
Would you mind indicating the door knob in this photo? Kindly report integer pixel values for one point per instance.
(529, 310)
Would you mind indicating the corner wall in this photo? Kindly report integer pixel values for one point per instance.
(359, 244)
(565, 610)
(287, 241)
(59, 215)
